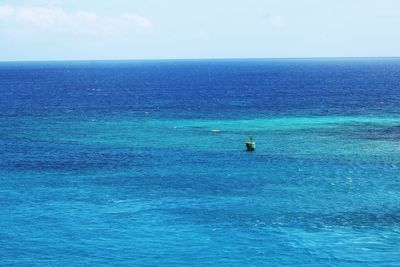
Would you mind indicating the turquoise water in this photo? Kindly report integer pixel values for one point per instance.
(111, 181)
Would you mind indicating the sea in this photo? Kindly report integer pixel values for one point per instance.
(144, 163)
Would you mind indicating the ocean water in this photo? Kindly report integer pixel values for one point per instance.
(143, 163)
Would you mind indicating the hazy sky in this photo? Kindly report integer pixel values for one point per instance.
(160, 29)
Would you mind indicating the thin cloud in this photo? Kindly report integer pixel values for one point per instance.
(274, 20)
(41, 16)
(139, 20)
(202, 35)
(277, 21)
(58, 19)
(6, 12)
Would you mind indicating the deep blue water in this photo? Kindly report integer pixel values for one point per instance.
(143, 163)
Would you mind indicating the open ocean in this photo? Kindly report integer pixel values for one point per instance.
(143, 163)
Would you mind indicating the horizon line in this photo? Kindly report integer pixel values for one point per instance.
(198, 59)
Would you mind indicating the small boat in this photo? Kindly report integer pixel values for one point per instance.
(250, 145)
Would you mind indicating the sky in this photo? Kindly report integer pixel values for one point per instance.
(202, 29)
